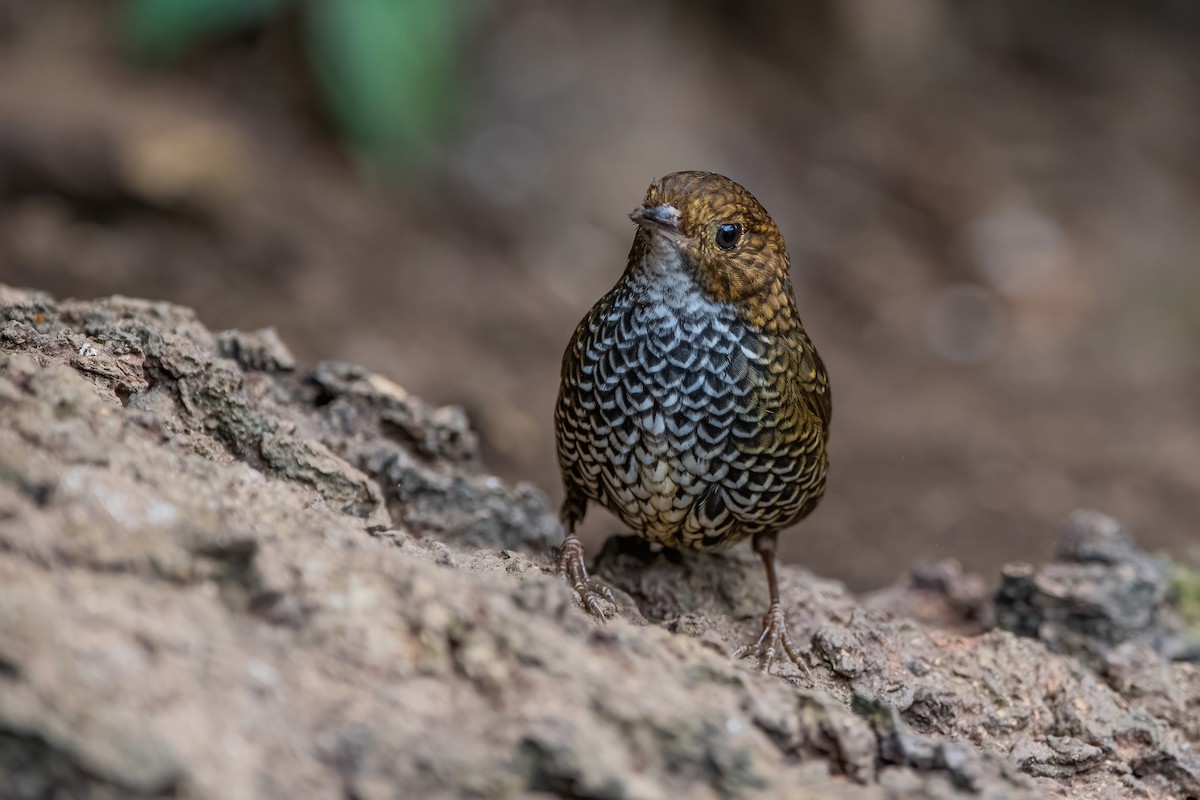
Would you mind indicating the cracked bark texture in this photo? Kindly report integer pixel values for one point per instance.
(221, 577)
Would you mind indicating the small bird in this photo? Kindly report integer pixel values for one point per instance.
(693, 405)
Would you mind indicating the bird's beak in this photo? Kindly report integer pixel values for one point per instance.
(661, 219)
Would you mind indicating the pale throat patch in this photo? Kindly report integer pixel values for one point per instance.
(664, 279)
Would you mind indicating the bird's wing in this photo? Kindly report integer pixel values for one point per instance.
(812, 380)
(571, 421)
(772, 467)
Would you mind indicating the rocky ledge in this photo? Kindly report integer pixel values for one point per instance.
(222, 577)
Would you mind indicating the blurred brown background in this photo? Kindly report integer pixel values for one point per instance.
(992, 210)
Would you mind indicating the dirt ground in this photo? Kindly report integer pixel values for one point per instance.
(992, 219)
(221, 577)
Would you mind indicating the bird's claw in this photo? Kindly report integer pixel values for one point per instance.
(593, 594)
(774, 638)
(596, 597)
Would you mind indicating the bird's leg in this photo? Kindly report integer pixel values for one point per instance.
(775, 635)
(592, 593)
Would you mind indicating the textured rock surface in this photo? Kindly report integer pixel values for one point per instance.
(1099, 592)
(222, 578)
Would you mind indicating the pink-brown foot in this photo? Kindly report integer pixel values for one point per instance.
(591, 593)
(774, 642)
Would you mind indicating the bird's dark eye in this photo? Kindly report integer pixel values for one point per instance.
(728, 235)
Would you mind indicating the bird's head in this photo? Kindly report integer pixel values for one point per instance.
(722, 234)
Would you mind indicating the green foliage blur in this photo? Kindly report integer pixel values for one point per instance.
(387, 69)
(1185, 592)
